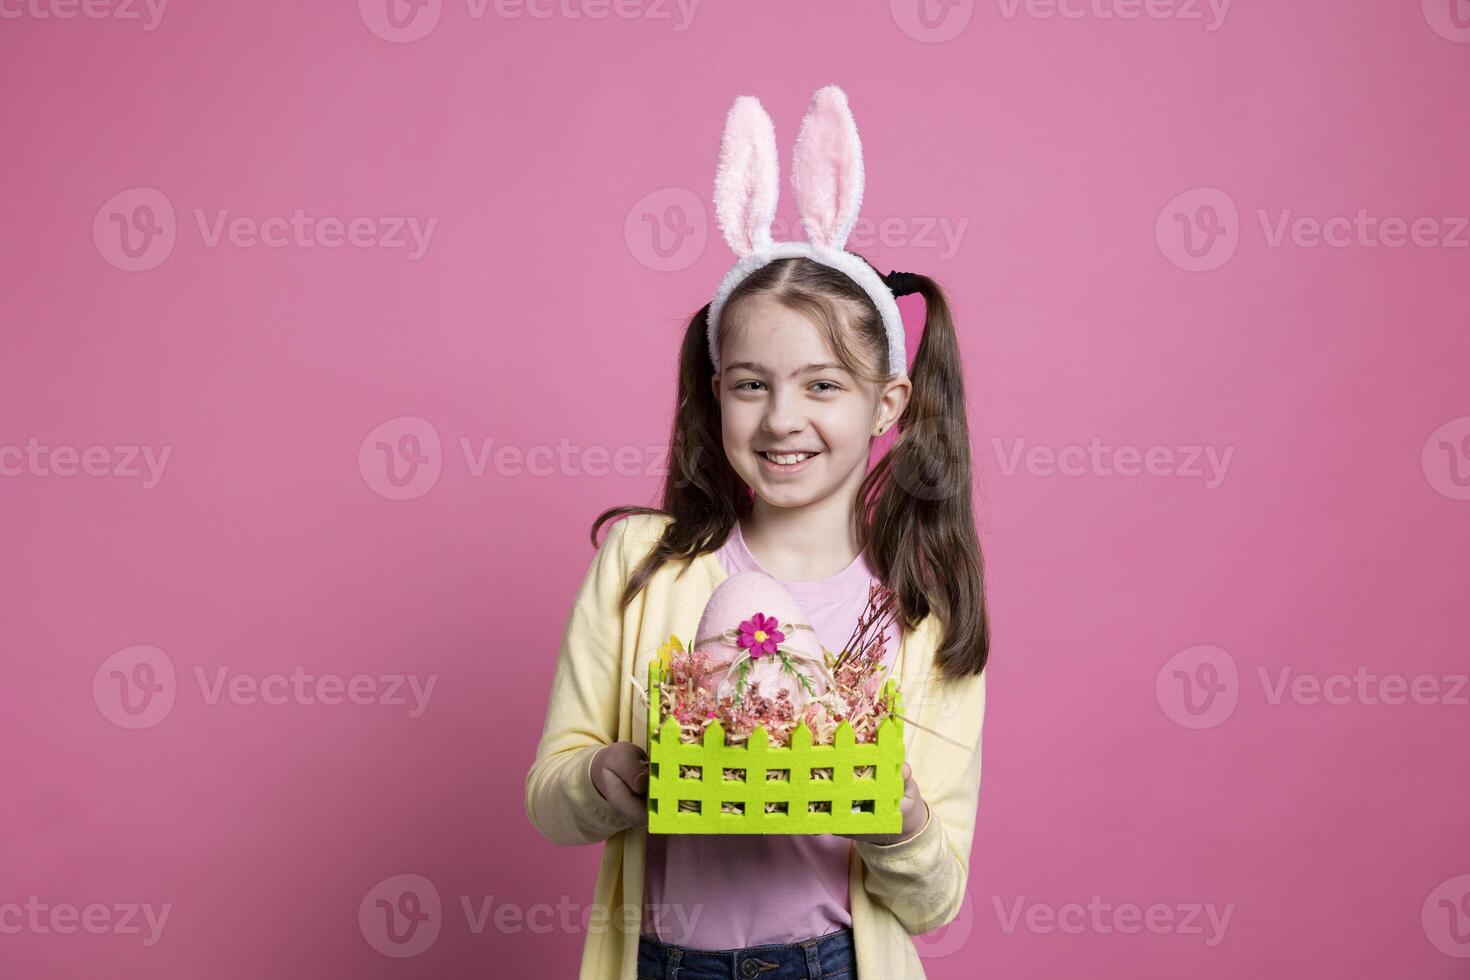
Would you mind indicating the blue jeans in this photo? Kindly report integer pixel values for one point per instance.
(823, 956)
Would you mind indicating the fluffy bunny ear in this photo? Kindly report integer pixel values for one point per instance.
(746, 180)
(827, 169)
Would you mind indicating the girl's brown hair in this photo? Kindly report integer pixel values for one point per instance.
(914, 516)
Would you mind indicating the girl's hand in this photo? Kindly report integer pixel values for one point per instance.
(620, 773)
(915, 814)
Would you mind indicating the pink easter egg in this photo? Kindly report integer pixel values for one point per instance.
(738, 599)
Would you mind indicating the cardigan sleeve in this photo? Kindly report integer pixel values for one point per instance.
(922, 880)
(582, 714)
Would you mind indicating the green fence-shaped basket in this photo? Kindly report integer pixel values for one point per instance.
(806, 804)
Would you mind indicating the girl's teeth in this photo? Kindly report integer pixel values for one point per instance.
(788, 460)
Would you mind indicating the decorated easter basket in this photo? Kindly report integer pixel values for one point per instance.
(703, 780)
(758, 788)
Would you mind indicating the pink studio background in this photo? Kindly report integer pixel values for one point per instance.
(544, 313)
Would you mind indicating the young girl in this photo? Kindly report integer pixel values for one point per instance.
(784, 381)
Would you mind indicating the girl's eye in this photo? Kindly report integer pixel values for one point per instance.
(827, 386)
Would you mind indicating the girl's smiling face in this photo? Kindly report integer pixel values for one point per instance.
(781, 391)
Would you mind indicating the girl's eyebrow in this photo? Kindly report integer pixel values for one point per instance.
(762, 369)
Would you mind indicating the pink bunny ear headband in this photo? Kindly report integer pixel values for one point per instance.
(827, 176)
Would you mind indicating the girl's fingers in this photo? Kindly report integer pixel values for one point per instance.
(912, 798)
(910, 785)
(633, 772)
(621, 776)
(636, 781)
(621, 798)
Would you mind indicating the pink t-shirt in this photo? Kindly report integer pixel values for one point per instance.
(719, 891)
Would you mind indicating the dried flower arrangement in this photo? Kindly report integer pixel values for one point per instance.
(845, 686)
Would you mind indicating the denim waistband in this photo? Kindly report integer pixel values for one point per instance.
(821, 956)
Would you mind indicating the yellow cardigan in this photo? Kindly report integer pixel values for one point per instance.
(895, 890)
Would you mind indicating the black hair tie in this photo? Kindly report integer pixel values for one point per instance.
(902, 283)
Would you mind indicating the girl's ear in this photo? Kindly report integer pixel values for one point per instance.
(893, 402)
(827, 169)
(746, 179)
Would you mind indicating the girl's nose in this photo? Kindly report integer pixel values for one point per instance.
(783, 414)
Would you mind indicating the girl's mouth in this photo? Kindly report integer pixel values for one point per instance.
(795, 462)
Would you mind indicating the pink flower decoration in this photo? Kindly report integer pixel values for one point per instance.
(759, 634)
